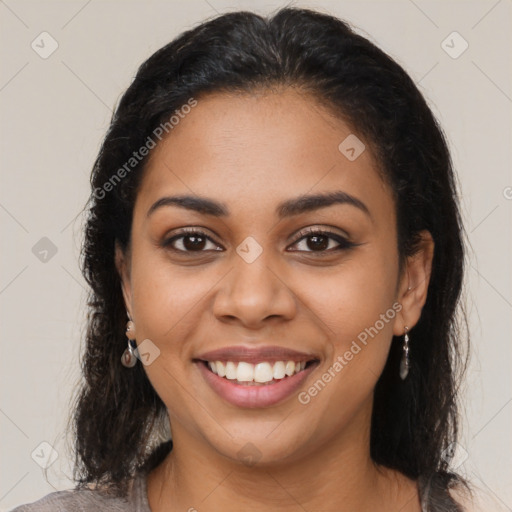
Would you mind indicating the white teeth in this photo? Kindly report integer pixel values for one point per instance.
(261, 372)
(279, 372)
(230, 370)
(221, 369)
(290, 368)
(244, 372)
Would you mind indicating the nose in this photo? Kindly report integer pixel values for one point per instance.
(252, 294)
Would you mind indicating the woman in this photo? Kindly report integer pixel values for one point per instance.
(274, 225)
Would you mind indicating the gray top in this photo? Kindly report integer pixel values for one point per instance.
(88, 500)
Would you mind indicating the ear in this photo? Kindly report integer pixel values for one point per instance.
(122, 262)
(414, 283)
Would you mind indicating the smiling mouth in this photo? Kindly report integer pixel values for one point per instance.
(263, 373)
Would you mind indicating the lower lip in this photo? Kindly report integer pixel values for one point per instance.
(262, 395)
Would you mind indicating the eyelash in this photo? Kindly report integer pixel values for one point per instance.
(344, 244)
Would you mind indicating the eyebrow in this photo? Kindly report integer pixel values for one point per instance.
(288, 208)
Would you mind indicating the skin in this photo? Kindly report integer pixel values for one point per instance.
(251, 152)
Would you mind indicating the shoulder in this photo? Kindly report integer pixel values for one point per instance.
(476, 499)
(90, 500)
(83, 500)
(440, 493)
(64, 501)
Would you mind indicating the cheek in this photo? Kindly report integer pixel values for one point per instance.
(358, 308)
(167, 301)
(353, 294)
(357, 304)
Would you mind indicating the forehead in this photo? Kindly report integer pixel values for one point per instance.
(252, 150)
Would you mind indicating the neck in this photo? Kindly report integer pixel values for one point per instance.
(337, 475)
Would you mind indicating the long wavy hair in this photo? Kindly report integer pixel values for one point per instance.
(117, 415)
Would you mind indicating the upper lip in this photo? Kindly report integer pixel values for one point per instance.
(256, 354)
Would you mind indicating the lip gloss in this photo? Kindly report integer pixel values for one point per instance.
(253, 396)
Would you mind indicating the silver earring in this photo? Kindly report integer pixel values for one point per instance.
(405, 363)
(129, 357)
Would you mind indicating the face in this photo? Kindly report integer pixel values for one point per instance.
(254, 272)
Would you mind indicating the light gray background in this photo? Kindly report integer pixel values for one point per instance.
(55, 112)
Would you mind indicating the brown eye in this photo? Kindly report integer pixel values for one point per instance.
(321, 241)
(315, 241)
(190, 241)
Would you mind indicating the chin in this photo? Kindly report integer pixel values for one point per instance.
(260, 445)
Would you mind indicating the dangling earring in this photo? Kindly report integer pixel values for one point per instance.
(405, 363)
(129, 357)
